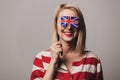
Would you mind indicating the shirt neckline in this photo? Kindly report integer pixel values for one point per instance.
(64, 67)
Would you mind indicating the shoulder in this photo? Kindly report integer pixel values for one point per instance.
(92, 56)
(46, 53)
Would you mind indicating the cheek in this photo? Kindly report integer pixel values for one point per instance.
(59, 30)
(59, 25)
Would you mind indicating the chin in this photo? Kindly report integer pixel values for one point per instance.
(68, 39)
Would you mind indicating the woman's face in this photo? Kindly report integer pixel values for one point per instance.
(67, 33)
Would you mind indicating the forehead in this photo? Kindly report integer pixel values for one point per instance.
(67, 12)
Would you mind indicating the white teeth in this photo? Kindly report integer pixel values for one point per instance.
(67, 33)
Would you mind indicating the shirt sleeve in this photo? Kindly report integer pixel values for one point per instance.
(99, 72)
(38, 70)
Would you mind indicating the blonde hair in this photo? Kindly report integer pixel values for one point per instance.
(81, 40)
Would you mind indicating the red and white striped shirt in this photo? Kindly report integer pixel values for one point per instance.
(88, 68)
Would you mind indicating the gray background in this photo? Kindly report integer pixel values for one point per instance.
(26, 29)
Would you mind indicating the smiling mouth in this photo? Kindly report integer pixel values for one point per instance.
(68, 34)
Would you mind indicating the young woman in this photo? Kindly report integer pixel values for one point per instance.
(67, 58)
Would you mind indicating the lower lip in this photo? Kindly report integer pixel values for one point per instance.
(68, 34)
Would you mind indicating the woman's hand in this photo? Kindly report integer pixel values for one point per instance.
(56, 51)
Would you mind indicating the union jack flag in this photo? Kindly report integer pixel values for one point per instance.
(71, 21)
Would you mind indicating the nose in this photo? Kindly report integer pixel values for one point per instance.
(69, 27)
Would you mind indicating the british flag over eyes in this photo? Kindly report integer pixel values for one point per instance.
(71, 21)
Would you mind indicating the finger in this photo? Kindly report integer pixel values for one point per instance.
(55, 44)
(58, 48)
(58, 43)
